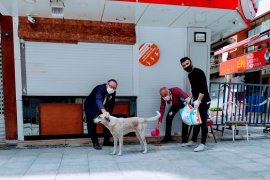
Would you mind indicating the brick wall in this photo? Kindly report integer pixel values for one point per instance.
(72, 31)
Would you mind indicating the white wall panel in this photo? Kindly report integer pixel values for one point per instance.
(167, 72)
(74, 69)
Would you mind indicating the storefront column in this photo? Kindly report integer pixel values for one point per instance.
(18, 78)
(198, 48)
(9, 88)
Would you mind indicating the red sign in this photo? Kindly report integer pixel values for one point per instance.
(149, 54)
(222, 4)
(246, 62)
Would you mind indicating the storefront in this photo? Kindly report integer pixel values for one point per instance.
(59, 61)
(250, 53)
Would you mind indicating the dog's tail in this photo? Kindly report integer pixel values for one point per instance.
(154, 118)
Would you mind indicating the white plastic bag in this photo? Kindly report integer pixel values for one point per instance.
(190, 115)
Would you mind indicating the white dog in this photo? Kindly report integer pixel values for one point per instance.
(121, 126)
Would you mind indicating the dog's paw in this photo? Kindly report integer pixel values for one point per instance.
(119, 154)
(144, 152)
(113, 153)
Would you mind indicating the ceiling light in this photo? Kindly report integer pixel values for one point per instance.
(57, 8)
(120, 19)
(30, 1)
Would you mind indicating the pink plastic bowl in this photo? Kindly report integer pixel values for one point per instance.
(155, 132)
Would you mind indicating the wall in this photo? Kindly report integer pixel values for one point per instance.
(174, 43)
(9, 88)
(167, 72)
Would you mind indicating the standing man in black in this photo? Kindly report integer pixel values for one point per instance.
(100, 100)
(201, 100)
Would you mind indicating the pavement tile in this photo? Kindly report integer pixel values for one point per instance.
(253, 167)
(72, 177)
(44, 167)
(17, 164)
(40, 175)
(73, 169)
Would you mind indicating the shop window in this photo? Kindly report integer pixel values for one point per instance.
(251, 32)
(265, 25)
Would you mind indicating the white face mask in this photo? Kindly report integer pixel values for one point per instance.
(110, 90)
(167, 98)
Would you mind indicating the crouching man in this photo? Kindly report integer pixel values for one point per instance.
(171, 98)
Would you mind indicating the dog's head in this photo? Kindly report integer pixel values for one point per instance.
(102, 118)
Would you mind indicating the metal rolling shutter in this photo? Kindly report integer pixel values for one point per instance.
(58, 69)
(2, 119)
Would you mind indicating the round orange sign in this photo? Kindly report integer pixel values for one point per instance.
(149, 54)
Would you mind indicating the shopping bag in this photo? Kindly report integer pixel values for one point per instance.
(190, 115)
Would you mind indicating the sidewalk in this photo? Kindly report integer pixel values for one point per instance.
(225, 160)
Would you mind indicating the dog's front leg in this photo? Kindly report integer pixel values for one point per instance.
(115, 145)
(120, 145)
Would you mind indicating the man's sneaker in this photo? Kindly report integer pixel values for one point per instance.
(200, 148)
(97, 146)
(190, 143)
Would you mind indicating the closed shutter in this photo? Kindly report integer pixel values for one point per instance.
(58, 69)
(2, 119)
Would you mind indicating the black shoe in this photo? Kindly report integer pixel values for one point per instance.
(166, 140)
(108, 143)
(96, 146)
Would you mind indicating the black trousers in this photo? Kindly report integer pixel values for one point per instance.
(92, 132)
(169, 118)
(203, 109)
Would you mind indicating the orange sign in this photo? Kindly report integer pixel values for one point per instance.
(246, 62)
(149, 54)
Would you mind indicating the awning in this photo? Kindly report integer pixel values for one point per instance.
(242, 43)
(220, 44)
(223, 18)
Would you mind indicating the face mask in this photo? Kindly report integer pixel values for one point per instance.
(189, 68)
(110, 90)
(166, 98)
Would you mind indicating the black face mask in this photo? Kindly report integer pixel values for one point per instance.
(189, 68)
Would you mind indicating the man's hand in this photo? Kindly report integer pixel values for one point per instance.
(104, 111)
(107, 114)
(158, 125)
(188, 100)
(197, 103)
